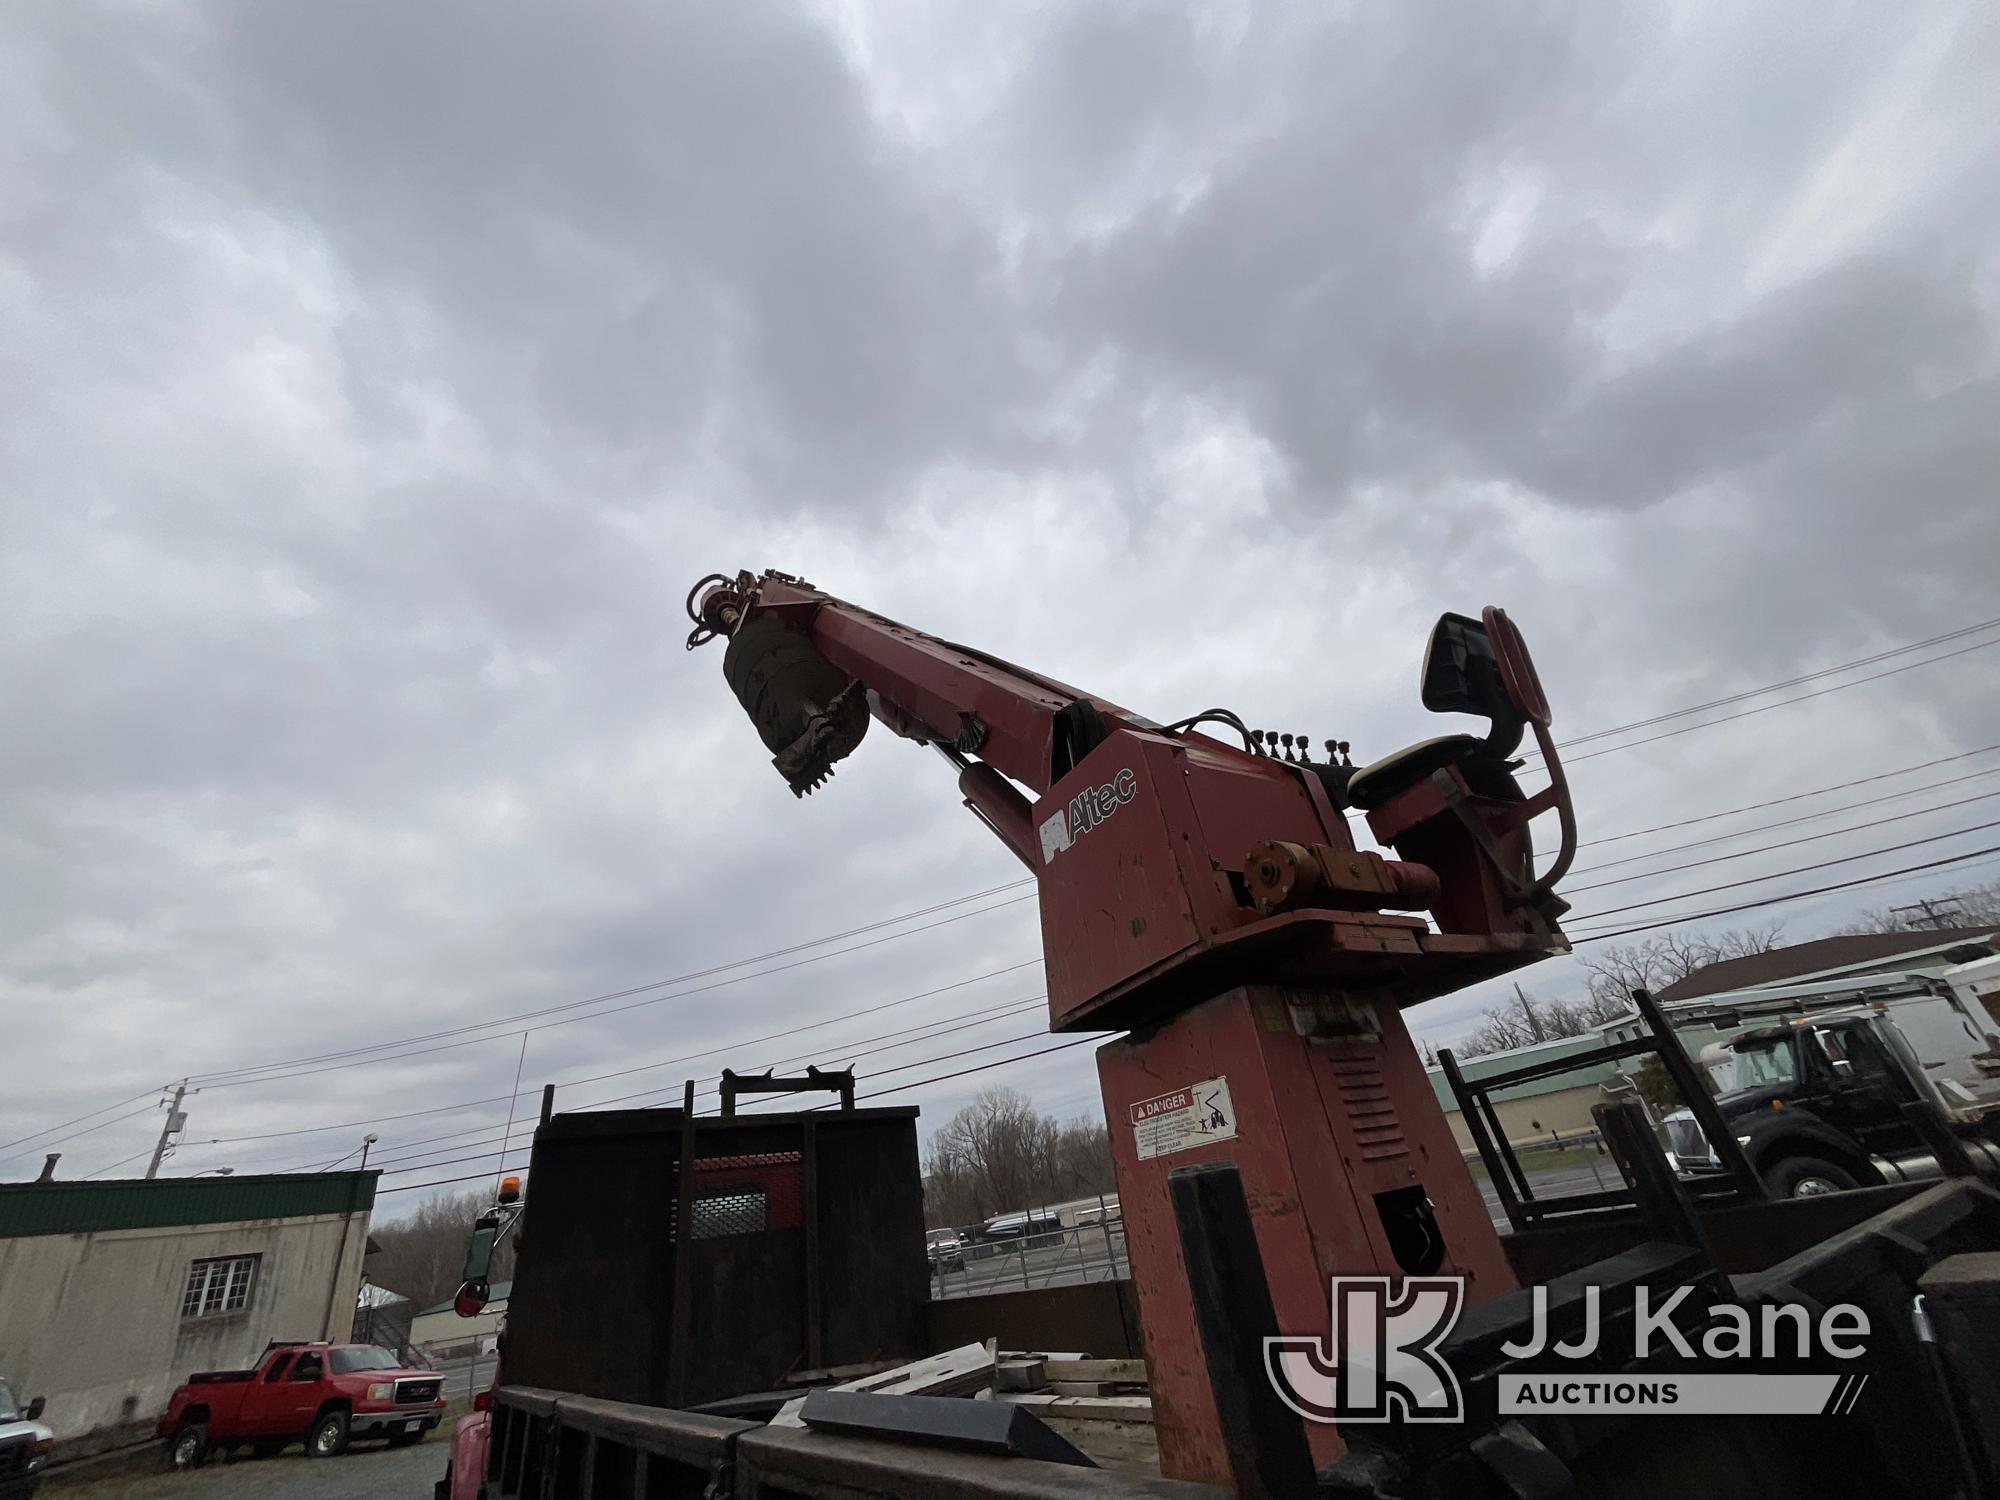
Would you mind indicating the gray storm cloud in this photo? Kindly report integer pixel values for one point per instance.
(377, 378)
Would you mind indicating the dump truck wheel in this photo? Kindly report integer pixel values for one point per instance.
(1807, 1177)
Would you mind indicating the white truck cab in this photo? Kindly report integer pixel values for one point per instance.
(25, 1445)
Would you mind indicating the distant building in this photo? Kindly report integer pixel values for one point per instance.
(442, 1334)
(1561, 1105)
(112, 1293)
(383, 1318)
(1545, 1108)
(1826, 958)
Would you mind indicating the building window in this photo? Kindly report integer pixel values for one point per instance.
(218, 1286)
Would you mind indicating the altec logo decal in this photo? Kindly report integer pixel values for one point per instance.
(1086, 810)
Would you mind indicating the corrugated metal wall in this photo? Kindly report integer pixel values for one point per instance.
(36, 1208)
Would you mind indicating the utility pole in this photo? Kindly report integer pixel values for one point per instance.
(176, 1122)
(1528, 1010)
(1932, 915)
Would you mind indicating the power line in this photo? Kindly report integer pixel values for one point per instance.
(269, 1072)
(117, 1165)
(1015, 1041)
(353, 1062)
(1609, 838)
(89, 1130)
(957, 984)
(38, 1134)
(408, 1114)
(728, 1046)
(1613, 838)
(1728, 911)
(1081, 1041)
(922, 1062)
(1593, 938)
(412, 1187)
(1825, 864)
(453, 1108)
(1774, 687)
(235, 1075)
(1830, 833)
(931, 1030)
(1812, 817)
(1764, 708)
(640, 989)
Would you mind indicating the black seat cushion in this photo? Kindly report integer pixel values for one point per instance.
(1379, 780)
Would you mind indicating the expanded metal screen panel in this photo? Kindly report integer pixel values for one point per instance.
(741, 1211)
(745, 1194)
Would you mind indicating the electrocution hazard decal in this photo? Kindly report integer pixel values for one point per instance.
(1194, 1116)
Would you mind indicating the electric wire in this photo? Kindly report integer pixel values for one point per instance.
(1775, 687)
(1764, 708)
(1592, 938)
(1830, 833)
(1813, 817)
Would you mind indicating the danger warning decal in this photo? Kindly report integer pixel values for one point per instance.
(1197, 1115)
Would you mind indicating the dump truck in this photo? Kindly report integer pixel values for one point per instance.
(1826, 1086)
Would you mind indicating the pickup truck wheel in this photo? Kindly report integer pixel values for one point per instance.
(328, 1438)
(1807, 1177)
(189, 1449)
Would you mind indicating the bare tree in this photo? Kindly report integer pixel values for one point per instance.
(1526, 1020)
(1670, 956)
(1614, 974)
(1000, 1154)
(421, 1256)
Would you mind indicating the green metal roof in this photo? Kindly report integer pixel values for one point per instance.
(35, 1208)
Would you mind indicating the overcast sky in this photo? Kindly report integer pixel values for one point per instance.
(376, 378)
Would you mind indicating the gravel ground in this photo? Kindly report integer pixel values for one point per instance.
(367, 1471)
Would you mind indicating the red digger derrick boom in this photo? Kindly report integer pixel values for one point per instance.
(1207, 899)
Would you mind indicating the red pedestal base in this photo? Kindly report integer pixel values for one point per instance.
(1337, 1134)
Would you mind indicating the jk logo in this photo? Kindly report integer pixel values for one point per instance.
(1381, 1361)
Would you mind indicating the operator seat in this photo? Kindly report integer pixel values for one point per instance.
(1379, 780)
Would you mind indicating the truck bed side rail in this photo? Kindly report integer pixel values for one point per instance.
(550, 1446)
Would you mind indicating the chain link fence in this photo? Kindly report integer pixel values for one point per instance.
(1093, 1251)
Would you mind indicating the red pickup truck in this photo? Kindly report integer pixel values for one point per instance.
(323, 1393)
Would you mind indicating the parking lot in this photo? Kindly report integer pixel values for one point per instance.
(367, 1471)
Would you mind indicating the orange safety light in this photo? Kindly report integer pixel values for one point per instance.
(510, 1190)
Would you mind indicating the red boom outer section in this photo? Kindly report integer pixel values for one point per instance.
(1137, 848)
(1321, 1128)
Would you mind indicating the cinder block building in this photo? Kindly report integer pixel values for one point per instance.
(111, 1293)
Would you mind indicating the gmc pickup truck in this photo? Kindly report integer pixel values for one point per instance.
(322, 1393)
